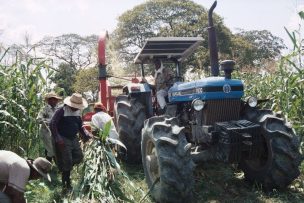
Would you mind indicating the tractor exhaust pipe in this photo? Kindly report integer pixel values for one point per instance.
(212, 43)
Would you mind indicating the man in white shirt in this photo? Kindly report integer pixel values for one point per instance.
(101, 117)
(163, 81)
(15, 172)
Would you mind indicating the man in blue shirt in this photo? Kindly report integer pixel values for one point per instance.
(65, 124)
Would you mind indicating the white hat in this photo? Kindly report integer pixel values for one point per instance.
(76, 101)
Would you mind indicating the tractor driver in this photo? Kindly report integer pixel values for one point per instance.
(163, 81)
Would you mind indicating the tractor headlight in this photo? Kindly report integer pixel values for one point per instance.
(198, 104)
(174, 94)
(252, 101)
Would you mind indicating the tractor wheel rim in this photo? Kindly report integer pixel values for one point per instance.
(152, 161)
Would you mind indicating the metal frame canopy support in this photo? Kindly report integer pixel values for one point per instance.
(167, 48)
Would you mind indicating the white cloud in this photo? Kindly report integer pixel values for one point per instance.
(34, 6)
(83, 6)
(76, 6)
(3, 28)
(16, 34)
(3, 21)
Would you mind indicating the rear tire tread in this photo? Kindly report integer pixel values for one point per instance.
(130, 115)
(282, 166)
(176, 169)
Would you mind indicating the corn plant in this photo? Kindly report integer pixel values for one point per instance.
(295, 79)
(21, 86)
(103, 179)
(285, 87)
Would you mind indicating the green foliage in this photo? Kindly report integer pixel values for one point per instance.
(241, 52)
(104, 133)
(86, 80)
(34, 188)
(22, 85)
(219, 182)
(285, 91)
(262, 46)
(167, 18)
(171, 18)
(103, 178)
(285, 87)
(64, 78)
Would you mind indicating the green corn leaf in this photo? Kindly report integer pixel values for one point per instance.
(112, 159)
(105, 131)
(5, 123)
(29, 63)
(117, 142)
(301, 14)
(292, 38)
(3, 55)
(8, 115)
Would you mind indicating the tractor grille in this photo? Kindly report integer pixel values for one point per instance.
(221, 110)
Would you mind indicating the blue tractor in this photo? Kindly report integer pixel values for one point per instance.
(205, 120)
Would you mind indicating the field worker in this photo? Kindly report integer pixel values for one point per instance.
(15, 172)
(101, 117)
(44, 118)
(163, 81)
(65, 125)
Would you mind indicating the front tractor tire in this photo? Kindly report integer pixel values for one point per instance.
(129, 118)
(166, 160)
(279, 164)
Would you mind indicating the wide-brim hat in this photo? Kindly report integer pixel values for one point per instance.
(76, 101)
(52, 95)
(42, 166)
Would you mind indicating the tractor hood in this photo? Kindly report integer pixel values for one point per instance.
(206, 89)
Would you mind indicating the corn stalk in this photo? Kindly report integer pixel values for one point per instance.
(103, 179)
(285, 87)
(22, 84)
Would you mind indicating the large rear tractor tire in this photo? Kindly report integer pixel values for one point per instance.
(166, 160)
(129, 118)
(279, 163)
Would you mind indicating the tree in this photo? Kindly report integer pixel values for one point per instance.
(178, 18)
(241, 52)
(23, 52)
(261, 48)
(64, 78)
(86, 80)
(78, 52)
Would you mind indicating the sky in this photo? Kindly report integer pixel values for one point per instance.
(39, 18)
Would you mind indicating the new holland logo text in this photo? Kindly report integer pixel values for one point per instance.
(226, 88)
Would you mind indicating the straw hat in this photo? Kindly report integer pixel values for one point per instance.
(42, 166)
(52, 95)
(76, 101)
(100, 106)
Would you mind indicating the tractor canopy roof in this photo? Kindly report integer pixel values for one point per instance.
(167, 49)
